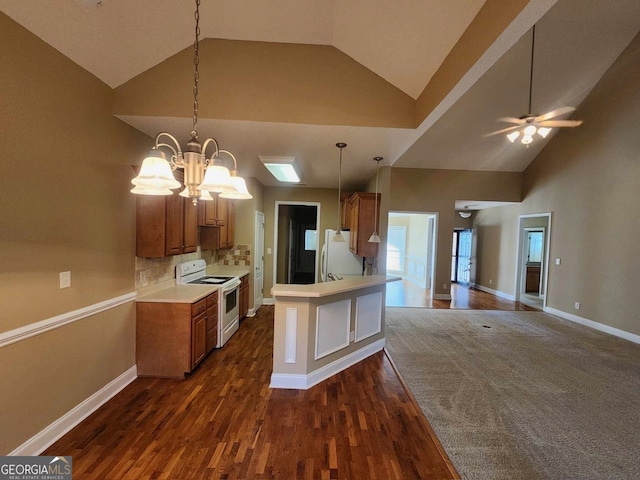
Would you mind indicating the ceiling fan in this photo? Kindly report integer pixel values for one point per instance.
(530, 124)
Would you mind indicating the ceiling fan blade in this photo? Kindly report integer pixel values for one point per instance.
(560, 123)
(554, 113)
(504, 130)
(518, 121)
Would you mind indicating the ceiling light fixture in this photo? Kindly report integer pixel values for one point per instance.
(201, 174)
(337, 237)
(375, 238)
(284, 169)
(465, 214)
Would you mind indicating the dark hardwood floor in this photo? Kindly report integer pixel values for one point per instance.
(407, 294)
(225, 422)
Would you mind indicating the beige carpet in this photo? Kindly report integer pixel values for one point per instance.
(522, 395)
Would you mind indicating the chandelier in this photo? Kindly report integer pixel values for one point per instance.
(202, 175)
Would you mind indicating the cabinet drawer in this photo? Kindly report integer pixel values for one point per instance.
(198, 307)
(212, 299)
(212, 319)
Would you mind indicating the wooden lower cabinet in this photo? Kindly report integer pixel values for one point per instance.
(173, 338)
(244, 296)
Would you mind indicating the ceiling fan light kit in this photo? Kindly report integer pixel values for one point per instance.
(202, 175)
(527, 126)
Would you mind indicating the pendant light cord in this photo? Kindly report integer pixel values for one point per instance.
(196, 76)
(533, 43)
(339, 188)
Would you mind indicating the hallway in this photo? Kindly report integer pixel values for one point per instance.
(406, 294)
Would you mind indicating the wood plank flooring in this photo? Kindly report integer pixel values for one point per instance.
(224, 422)
(404, 293)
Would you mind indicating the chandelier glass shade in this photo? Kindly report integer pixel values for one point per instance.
(202, 175)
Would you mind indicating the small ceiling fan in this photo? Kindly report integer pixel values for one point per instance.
(530, 124)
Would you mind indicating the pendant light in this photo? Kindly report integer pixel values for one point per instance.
(337, 237)
(375, 238)
(201, 174)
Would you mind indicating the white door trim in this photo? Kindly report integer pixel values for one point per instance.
(520, 253)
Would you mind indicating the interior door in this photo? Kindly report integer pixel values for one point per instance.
(258, 283)
(464, 256)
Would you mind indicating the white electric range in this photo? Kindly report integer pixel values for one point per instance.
(194, 273)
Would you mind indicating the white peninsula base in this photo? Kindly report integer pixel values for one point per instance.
(324, 328)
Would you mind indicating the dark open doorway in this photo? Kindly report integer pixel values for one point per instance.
(297, 244)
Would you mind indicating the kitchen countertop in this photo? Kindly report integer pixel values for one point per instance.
(169, 292)
(347, 284)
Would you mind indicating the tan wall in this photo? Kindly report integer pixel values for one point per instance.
(65, 206)
(273, 82)
(435, 191)
(328, 199)
(245, 225)
(588, 178)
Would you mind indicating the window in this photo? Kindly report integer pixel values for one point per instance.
(396, 246)
(310, 239)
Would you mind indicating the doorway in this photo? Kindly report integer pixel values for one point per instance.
(410, 255)
(533, 259)
(461, 256)
(296, 242)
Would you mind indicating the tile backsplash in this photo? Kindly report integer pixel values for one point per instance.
(150, 271)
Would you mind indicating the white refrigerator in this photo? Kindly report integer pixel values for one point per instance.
(337, 259)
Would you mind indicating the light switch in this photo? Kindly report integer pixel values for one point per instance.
(268, 251)
(557, 261)
(65, 279)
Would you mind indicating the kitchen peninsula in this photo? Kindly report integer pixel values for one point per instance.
(323, 328)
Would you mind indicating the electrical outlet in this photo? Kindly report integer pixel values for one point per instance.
(65, 279)
(444, 285)
(577, 306)
(557, 261)
(268, 251)
(491, 281)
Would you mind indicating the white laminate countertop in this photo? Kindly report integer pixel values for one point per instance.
(315, 290)
(169, 292)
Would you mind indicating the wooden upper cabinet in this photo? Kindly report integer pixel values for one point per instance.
(226, 211)
(190, 227)
(345, 223)
(222, 236)
(362, 209)
(208, 212)
(165, 226)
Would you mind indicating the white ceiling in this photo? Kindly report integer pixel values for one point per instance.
(402, 41)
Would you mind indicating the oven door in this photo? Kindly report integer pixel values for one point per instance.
(229, 311)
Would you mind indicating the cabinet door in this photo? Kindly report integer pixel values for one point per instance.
(175, 225)
(345, 212)
(212, 327)
(150, 226)
(226, 228)
(231, 224)
(221, 215)
(190, 227)
(208, 212)
(198, 339)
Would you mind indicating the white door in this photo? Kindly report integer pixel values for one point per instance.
(464, 256)
(258, 262)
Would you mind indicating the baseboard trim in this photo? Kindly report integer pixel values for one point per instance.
(36, 328)
(47, 437)
(304, 382)
(632, 337)
(442, 296)
(268, 301)
(497, 293)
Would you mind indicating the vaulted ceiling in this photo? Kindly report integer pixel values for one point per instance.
(417, 82)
